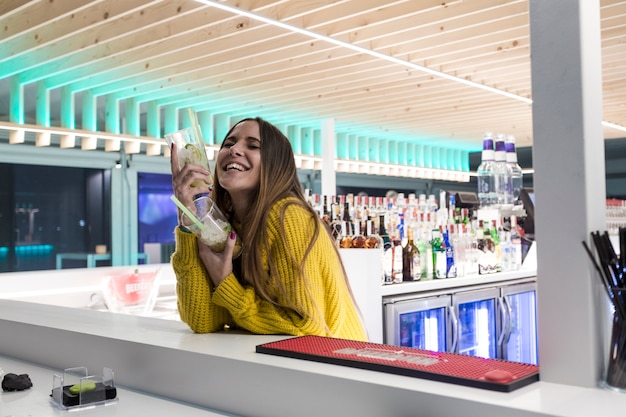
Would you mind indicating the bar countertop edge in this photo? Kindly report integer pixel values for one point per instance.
(222, 371)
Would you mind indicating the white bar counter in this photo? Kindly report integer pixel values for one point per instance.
(35, 401)
(221, 371)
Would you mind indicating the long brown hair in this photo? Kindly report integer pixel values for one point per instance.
(278, 180)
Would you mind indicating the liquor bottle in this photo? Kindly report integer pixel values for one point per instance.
(506, 251)
(372, 239)
(426, 252)
(516, 245)
(486, 189)
(388, 264)
(442, 212)
(345, 240)
(422, 206)
(400, 227)
(460, 244)
(346, 217)
(431, 204)
(517, 179)
(317, 205)
(411, 268)
(392, 260)
(392, 263)
(481, 246)
(382, 232)
(497, 249)
(326, 212)
(359, 239)
(439, 255)
(453, 211)
(335, 212)
(471, 267)
(486, 249)
(502, 175)
(450, 258)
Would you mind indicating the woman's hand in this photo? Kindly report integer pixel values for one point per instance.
(182, 180)
(218, 265)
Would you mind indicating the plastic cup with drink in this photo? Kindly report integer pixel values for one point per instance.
(208, 223)
(190, 149)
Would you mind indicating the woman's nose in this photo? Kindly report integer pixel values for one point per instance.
(235, 149)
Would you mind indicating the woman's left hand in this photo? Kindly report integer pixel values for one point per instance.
(218, 265)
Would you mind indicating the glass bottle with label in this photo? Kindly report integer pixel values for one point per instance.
(411, 268)
(516, 245)
(382, 232)
(486, 249)
(372, 239)
(517, 179)
(439, 255)
(450, 258)
(345, 241)
(502, 175)
(485, 172)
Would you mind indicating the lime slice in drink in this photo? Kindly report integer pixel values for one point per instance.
(195, 157)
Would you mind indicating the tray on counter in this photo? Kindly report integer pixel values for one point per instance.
(471, 371)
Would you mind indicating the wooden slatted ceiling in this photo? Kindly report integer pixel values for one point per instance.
(184, 53)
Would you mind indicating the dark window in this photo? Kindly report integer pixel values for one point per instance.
(46, 210)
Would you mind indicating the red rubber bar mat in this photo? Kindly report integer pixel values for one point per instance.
(471, 371)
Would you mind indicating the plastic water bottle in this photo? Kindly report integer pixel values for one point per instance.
(485, 171)
(502, 175)
(517, 180)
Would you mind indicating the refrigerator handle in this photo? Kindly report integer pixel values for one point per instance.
(455, 328)
(505, 311)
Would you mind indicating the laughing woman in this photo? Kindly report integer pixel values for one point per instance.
(289, 278)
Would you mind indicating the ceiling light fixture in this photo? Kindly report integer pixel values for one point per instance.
(360, 49)
(614, 126)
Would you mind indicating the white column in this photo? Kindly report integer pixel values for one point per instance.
(329, 180)
(568, 157)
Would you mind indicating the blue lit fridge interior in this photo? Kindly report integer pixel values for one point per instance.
(424, 329)
(477, 326)
(521, 328)
(421, 323)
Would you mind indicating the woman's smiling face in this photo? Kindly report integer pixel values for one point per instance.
(239, 159)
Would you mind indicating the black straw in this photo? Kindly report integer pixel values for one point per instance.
(610, 269)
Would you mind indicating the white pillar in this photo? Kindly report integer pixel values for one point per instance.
(568, 157)
(329, 180)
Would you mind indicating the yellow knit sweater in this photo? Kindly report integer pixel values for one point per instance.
(206, 308)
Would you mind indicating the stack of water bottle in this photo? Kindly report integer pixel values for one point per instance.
(499, 175)
(500, 181)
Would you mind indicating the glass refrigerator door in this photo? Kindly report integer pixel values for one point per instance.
(519, 341)
(477, 322)
(418, 323)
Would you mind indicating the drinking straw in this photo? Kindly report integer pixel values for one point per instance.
(187, 212)
(606, 284)
(611, 276)
(605, 259)
(613, 261)
(195, 125)
(622, 247)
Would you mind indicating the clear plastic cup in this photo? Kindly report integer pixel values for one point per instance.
(215, 230)
(190, 149)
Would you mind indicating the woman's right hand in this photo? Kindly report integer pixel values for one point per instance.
(182, 180)
(218, 265)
